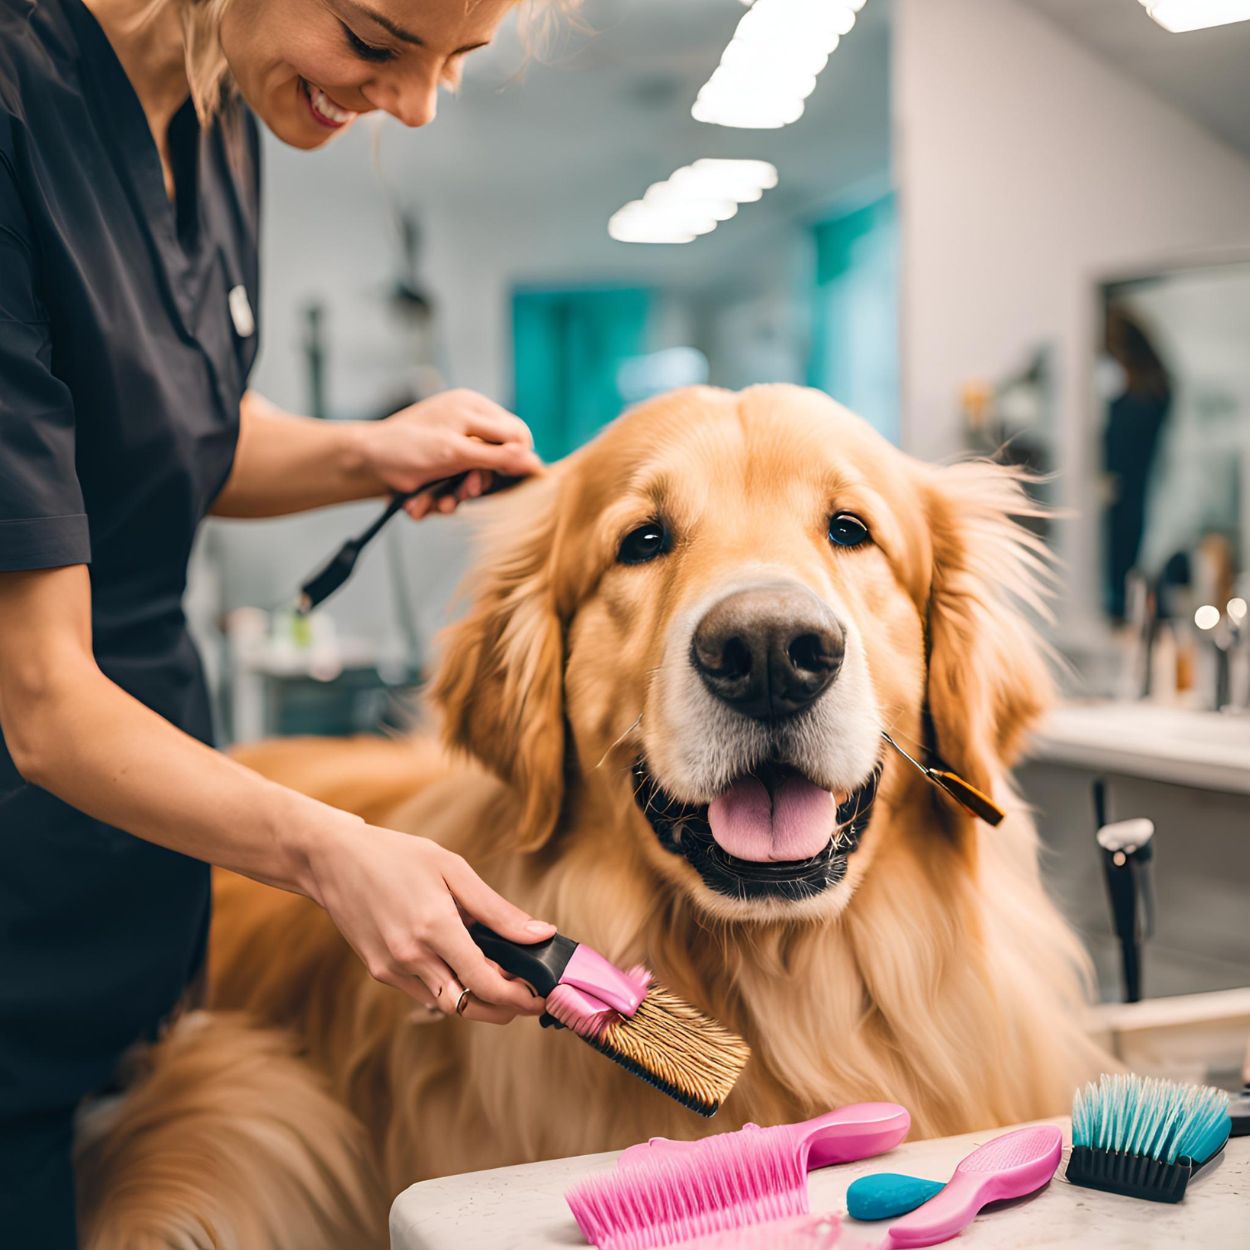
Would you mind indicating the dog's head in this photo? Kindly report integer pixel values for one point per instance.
(707, 617)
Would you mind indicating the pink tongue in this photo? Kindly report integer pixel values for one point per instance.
(796, 824)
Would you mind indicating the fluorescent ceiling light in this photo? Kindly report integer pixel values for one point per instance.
(733, 173)
(743, 56)
(692, 201)
(665, 195)
(770, 66)
(762, 83)
(746, 116)
(1182, 15)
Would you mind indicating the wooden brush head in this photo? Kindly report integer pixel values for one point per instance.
(676, 1048)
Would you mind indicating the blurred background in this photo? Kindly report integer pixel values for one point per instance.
(1011, 227)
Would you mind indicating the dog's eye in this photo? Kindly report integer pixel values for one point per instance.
(643, 544)
(846, 530)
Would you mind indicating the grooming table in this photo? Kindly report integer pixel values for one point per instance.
(523, 1208)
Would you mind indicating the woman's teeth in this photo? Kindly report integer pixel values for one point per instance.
(324, 109)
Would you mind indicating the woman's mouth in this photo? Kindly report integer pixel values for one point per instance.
(324, 111)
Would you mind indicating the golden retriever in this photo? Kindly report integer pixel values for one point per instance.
(665, 707)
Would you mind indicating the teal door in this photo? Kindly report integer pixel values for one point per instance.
(855, 320)
(568, 346)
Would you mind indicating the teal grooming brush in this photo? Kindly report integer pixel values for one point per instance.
(885, 1195)
(1145, 1137)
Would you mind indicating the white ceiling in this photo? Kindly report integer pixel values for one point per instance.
(573, 135)
(1205, 73)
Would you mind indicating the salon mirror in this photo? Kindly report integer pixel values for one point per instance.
(1172, 382)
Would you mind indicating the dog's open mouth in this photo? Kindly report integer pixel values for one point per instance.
(772, 834)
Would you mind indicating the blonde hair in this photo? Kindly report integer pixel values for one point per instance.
(208, 73)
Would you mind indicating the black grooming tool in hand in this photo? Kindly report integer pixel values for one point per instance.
(318, 588)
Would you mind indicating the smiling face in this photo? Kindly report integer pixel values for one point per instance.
(751, 631)
(309, 68)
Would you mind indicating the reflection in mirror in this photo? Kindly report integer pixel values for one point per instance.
(1173, 385)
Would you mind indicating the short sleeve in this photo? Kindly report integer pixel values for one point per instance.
(42, 519)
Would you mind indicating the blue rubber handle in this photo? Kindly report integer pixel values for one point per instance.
(883, 1195)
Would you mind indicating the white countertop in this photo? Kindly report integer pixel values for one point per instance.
(523, 1208)
(1209, 750)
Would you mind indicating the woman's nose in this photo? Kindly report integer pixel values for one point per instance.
(412, 101)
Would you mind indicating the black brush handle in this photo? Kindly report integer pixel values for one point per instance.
(539, 964)
(318, 588)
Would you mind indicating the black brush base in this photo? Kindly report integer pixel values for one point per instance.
(1132, 1175)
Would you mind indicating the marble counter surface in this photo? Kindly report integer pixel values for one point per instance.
(523, 1208)
(1209, 750)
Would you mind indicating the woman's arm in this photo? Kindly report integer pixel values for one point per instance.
(397, 899)
(286, 463)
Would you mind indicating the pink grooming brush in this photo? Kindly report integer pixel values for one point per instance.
(624, 1015)
(857, 1131)
(1010, 1166)
(667, 1192)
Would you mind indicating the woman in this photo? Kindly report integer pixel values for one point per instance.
(1137, 416)
(128, 276)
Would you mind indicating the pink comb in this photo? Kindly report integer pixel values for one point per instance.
(1010, 1166)
(667, 1192)
(858, 1131)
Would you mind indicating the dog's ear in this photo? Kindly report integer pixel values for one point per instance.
(988, 676)
(500, 681)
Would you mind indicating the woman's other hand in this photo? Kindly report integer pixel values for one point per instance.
(450, 433)
(403, 904)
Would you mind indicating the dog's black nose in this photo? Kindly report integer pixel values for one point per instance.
(769, 651)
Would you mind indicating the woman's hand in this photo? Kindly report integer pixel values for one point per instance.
(403, 904)
(454, 432)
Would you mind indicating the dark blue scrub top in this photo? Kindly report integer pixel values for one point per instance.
(122, 367)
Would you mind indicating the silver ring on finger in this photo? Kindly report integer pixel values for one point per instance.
(462, 1001)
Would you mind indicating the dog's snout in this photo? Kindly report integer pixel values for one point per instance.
(769, 651)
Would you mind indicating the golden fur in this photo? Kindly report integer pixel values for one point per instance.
(939, 975)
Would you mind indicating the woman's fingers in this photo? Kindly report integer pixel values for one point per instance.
(476, 972)
(511, 459)
(420, 990)
(491, 908)
(484, 1013)
(451, 1000)
(486, 420)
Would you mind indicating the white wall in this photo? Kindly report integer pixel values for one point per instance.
(1028, 169)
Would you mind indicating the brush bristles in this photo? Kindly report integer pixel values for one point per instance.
(733, 1181)
(1150, 1118)
(676, 1048)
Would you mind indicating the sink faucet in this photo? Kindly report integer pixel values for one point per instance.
(1238, 656)
(1228, 639)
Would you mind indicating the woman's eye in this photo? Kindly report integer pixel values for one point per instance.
(643, 544)
(846, 530)
(366, 51)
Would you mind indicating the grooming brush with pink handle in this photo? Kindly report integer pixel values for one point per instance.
(1010, 1166)
(626, 1016)
(666, 1192)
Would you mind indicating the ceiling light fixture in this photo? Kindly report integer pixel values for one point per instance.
(1179, 16)
(770, 66)
(692, 201)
